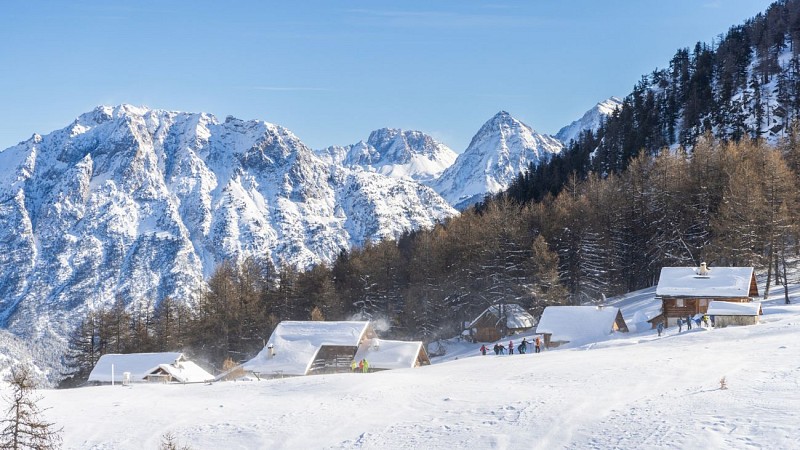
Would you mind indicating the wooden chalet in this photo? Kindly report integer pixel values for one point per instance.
(688, 291)
(500, 320)
(310, 347)
(579, 325)
(318, 347)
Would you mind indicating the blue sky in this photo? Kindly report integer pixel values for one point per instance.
(332, 71)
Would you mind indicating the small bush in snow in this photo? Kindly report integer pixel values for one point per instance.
(723, 383)
(170, 442)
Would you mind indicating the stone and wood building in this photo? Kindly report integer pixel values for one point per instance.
(688, 291)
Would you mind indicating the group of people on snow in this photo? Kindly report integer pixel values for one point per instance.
(361, 366)
(697, 320)
(500, 349)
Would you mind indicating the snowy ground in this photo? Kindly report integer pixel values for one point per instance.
(640, 392)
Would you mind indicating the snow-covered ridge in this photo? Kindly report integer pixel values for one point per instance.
(591, 120)
(395, 153)
(145, 203)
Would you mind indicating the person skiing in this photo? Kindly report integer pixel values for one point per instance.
(483, 350)
(523, 347)
(361, 365)
(660, 328)
(538, 344)
(353, 366)
(680, 325)
(366, 365)
(705, 320)
(496, 349)
(688, 323)
(510, 347)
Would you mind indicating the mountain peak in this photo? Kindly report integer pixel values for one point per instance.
(502, 117)
(591, 120)
(502, 148)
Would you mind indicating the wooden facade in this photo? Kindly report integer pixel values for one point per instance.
(682, 307)
(487, 334)
(332, 359)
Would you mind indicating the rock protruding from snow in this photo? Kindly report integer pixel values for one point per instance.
(591, 120)
(396, 154)
(502, 148)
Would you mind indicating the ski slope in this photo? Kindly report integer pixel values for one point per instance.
(639, 391)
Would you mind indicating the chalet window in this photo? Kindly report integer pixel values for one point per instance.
(703, 302)
(679, 303)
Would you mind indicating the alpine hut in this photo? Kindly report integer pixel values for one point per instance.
(310, 347)
(688, 291)
(166, 367)
(579, 324)
(501, 320)
(384, 354)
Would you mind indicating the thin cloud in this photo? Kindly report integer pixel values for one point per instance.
(288, 88)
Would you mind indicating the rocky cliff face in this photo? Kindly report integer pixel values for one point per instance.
(396, 154)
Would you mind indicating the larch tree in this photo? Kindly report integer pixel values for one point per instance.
(23, 427)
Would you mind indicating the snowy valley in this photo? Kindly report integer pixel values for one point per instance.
(633, 391)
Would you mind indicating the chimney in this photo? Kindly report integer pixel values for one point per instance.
(703, 270)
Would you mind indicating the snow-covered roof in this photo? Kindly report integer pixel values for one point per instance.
(516, 316)
(296, 343)
(577, 323)
(383, 354)
(138, 364)
(720, 282)
(716, 308)
(186, 372)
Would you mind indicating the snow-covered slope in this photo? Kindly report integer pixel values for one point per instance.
(638, 391)
(395, 153)
(591, 120)
(501, 149)
(141, 203)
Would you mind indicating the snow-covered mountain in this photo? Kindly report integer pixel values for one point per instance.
(145, 203)
(501, 149)
(395, 153)
(590, 121)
